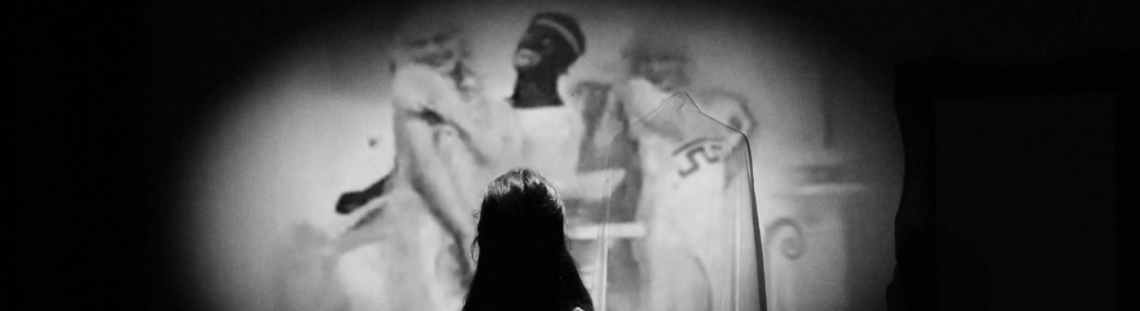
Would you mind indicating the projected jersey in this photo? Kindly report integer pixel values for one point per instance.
(703, 153)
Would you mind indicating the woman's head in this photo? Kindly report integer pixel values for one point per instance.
(524, 262)
(521, 210)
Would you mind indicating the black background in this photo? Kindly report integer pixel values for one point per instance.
(1011, 199)
(118, 91)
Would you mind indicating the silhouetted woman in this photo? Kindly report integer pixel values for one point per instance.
(523, 262)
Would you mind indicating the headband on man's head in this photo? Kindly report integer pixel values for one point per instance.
(565, 26)
(566, 34)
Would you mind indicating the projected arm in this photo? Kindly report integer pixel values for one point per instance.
(431, 178)
(434, 98)
(601, 115)
(490, 143)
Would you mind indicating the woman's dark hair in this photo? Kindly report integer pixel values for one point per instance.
(524, 262)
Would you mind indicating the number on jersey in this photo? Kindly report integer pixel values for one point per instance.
(710, 149)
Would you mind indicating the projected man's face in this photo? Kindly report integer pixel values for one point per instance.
(666, 71)
(539, 49)
(440, 50)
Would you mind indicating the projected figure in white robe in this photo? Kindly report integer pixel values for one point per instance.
(691, 188)
(410, 248)
(407, 250)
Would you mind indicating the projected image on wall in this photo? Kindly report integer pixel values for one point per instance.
(707, 159)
